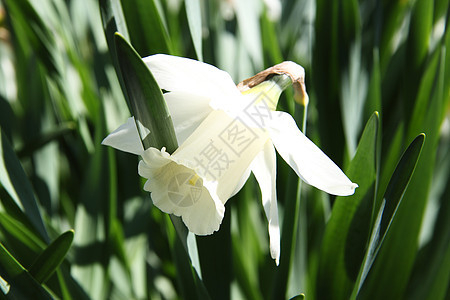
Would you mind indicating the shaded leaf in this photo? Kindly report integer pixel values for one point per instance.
(15, 182)
(347, 232)
(391, 201)
(21, 284)
(399, 249)
(47, 262)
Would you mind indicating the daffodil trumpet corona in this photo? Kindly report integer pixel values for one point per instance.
(225, 132)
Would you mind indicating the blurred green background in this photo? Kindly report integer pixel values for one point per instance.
(377, 73)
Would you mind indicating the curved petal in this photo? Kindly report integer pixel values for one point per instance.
(178, 190)
(264, 169)
(125, 138)
(174, 73)
(307, 160)
(242, 181)
(187, 111)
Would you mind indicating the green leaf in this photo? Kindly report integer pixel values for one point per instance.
(431, 274)
(16, 183)
(33, 36)
(389, 20)
(21, 284)
(51, 257)
(209, 249)
(188, 280)
(146, 101)
(420, 30)
(194, 16)
(92, 253)
(148, 33)
(373, 102)
(399, 182)
(391, 201)
(347, 232)
(246, 242)
(27, 242)
(114, 21)
(399, 249)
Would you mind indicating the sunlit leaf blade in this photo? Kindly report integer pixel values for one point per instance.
(114, 21)
(194, 16)
(47, 262)
(146, 27)
(21, 284)
(347, 231)
(16, 183)
(32, 33)
(390, 17)
(336, 30)
(27, 242)
(145, 99)
(391, 200)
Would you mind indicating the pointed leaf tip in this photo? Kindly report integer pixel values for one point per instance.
(49, 260)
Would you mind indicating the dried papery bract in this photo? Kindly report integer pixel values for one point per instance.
(293, 70)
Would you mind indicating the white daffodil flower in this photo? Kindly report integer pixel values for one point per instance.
(223, 136)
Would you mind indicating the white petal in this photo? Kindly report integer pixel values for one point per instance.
(125, 138)
(187, 112)
(307, 160)
(241, 182)
(264, 169)
(174, 73)
(220, 150)
(176, 189)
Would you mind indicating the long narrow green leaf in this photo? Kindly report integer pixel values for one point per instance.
(431, 273)
(399, 249)
(399, 181)
(194, 16)
(32, 33)
(391, 200)
(19, 234)
(21, 284)
(347, 231)
(51, 258)
(114, 21)
(145, 99)
(16, 183)
(146, 27)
